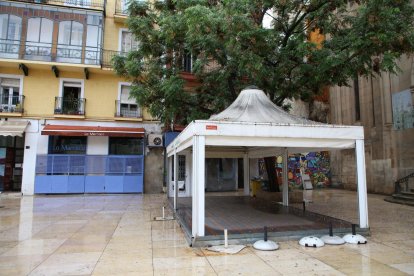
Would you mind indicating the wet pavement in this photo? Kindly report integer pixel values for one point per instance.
(116, 235)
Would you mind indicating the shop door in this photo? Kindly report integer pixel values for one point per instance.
(11, 163)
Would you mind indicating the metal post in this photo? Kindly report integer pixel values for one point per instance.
(175, 179)
(285, 178)
(198, 211)
(362, 184)
(246, 174)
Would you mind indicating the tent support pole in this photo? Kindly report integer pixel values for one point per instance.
(362, 184)
(168, 180)
(175, 180)
(198, 200)
(285, 178)
(246, 174)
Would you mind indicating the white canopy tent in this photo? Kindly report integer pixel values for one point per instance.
(254, 127)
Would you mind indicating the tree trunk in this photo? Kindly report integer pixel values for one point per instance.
(270, 163)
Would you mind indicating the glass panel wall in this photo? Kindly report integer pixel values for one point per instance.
(10, 32)
(126, 146)
(78, 32)
(67, 145)
(39, 39)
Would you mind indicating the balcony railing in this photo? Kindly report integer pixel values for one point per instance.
(123, 110)
(84, 4)
(11, 104)
(121, 7)
(69, 106)
(107, 56)
(14, 49)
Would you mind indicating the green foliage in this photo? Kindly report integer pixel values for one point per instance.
(231, 49)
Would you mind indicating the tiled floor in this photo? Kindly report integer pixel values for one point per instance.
(116, 235)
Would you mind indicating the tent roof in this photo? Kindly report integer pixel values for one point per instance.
(252, 105)
(254, 124)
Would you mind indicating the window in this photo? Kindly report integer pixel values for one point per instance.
(10, 99)
(181, 167)
(71, 101)
(127, 41)
(126, 146)
(93, 40)
(10, 31)
(70, 42)
(124, 6)
(187, 63)
(67, 145)
(39, 39)
(127, 105)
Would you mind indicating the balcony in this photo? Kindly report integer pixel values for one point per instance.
(70, 106)
(121, 7)
(11, 105)
(83, 4)
(127, 111)
(48, 52)
(107, 56)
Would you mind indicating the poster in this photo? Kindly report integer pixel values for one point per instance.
(402, 110)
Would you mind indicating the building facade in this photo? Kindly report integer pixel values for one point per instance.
(68, 124)
(383, 104)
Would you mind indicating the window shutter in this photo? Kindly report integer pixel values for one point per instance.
(125, 92)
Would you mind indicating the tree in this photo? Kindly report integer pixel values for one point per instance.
(230, 49)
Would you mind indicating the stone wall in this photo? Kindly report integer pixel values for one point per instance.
(154, 170)
(388, 151)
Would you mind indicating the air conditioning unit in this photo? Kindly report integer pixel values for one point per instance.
(155, 140)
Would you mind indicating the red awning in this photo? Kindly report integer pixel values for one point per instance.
(59, 130)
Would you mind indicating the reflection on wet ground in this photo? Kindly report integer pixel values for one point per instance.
(116, 235)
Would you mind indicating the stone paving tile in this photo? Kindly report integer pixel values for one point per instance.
(116, 235)
(407, 268)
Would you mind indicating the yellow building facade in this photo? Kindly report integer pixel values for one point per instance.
(68, 123)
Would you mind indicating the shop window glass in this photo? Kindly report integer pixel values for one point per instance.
(125, 146)
(67, 145)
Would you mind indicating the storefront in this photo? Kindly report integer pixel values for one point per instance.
(90, 159)
(11, 154)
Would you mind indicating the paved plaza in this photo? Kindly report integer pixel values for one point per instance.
(116, 235)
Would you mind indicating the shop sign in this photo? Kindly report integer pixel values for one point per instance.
(211, 127)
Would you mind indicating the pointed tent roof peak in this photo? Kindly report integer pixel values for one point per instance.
(253, 106)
